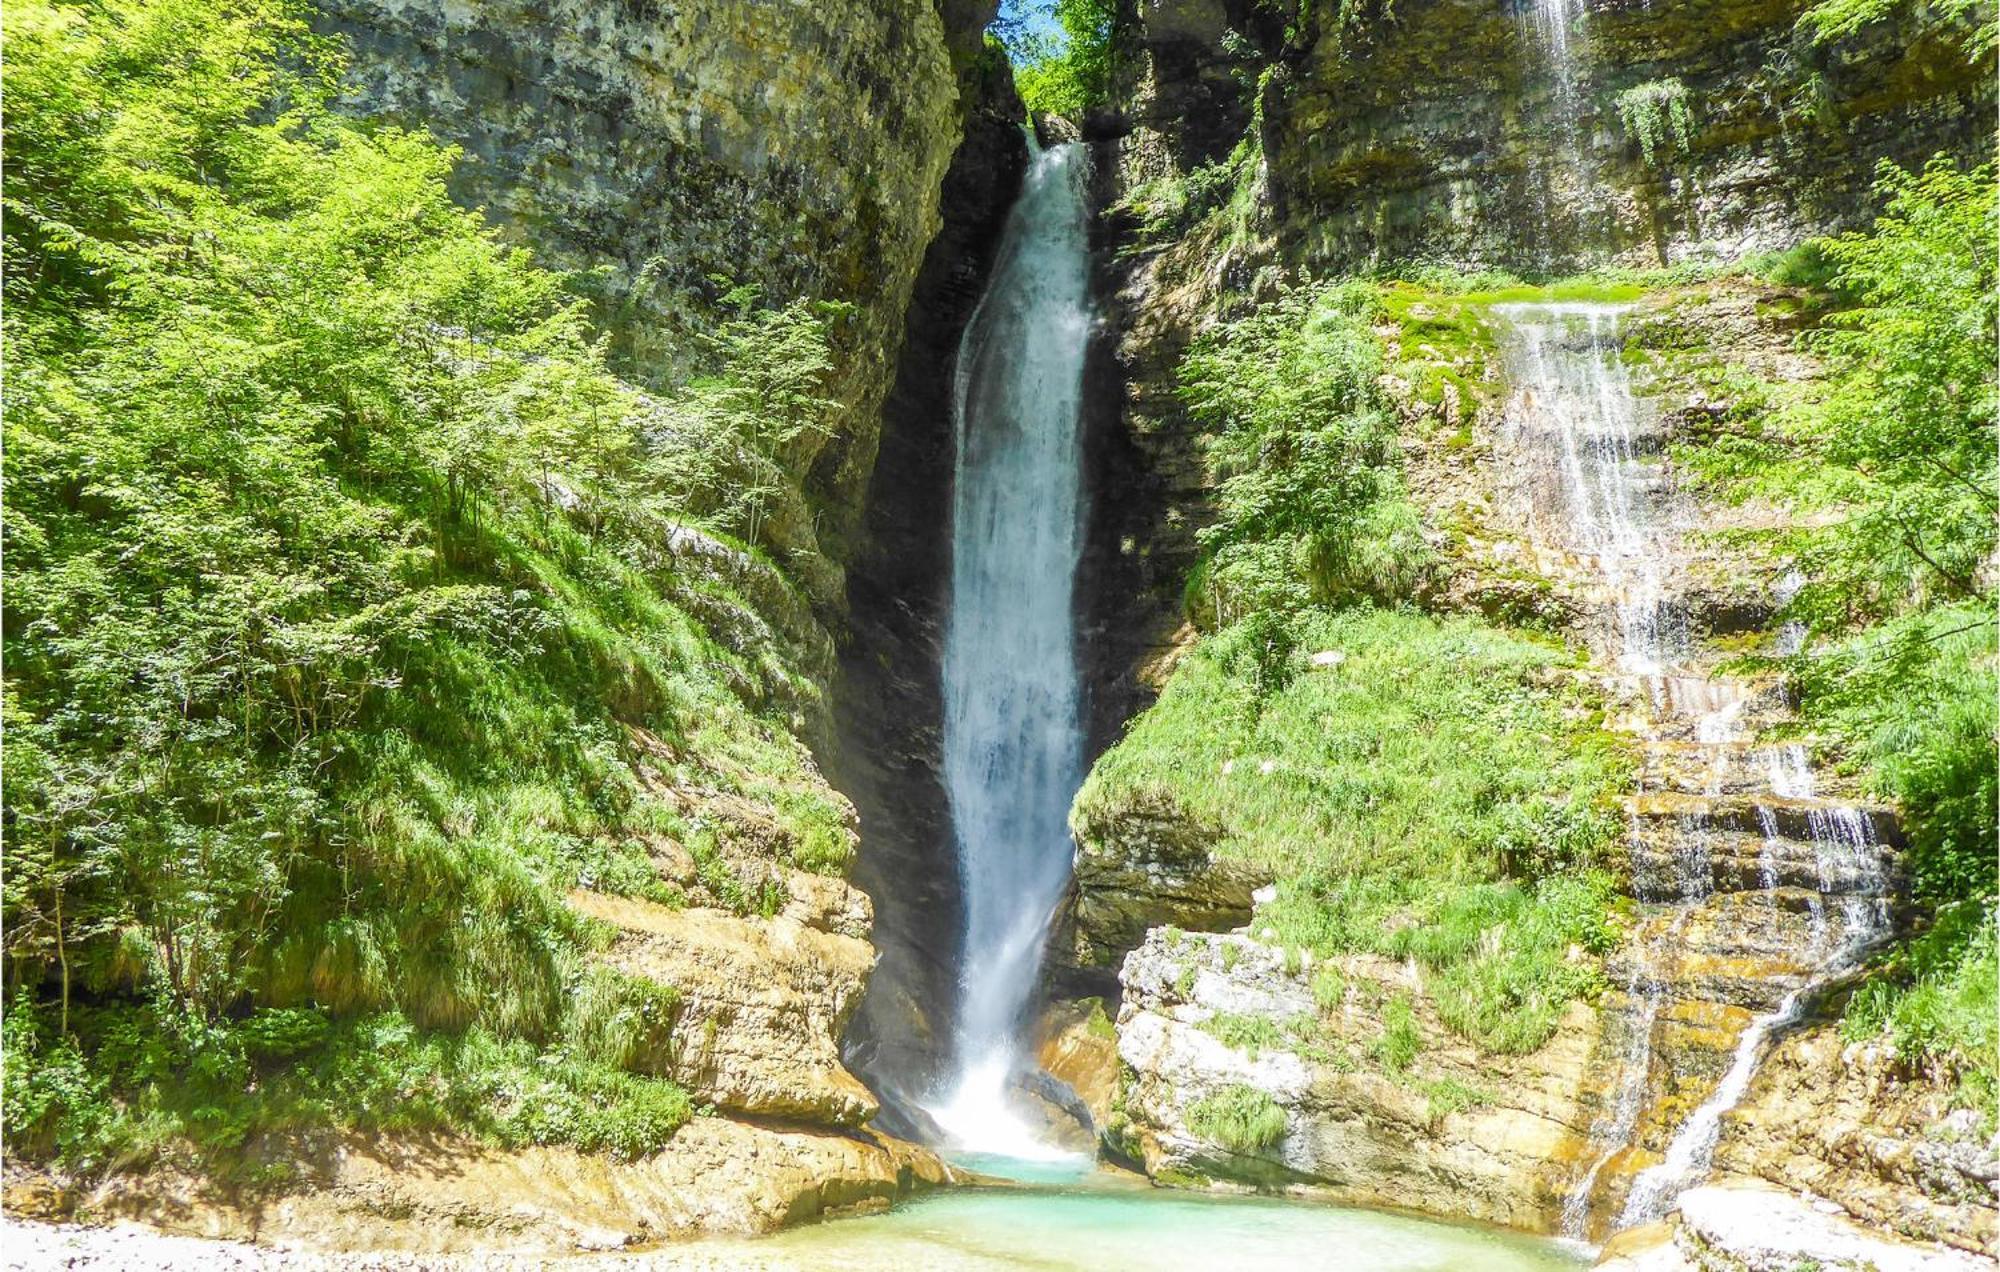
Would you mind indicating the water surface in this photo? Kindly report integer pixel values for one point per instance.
(1099, 1228)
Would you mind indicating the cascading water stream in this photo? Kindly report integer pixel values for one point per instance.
(1579, 426)
(1013, 742)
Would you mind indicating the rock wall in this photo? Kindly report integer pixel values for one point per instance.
(655, 146)
(1465, 131)
(1437, 130)
(1451, 1133)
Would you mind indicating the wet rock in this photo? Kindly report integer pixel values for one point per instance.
(1851, 1123)
(1079, 1048)
(1750, 1228)
(1142, 862)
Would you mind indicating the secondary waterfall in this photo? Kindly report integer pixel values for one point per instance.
(1013, 742)
(1738, 862)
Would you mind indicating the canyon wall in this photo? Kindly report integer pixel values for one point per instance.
(670, 151)
(1242, 144)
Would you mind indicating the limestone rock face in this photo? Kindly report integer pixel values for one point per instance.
(1145, 863)
(764, 1002)
(1756, 1228)
(1454, 1133)
(1848, 1123)
(1457, 131)
(1079, 1048)
(795, 147)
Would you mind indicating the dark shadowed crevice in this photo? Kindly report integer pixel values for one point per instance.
(887, 700)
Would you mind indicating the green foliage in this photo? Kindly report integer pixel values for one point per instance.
(1066, 70)
(1400, 1042)
(1446, 1096)
(1834, 19)
(347, 586)
(1915, 698)
(1400, 797)
(1168, 207)
(1302, 449)
(1657, 116)
(1250, 1034)
(1237, 1119)
(1908, 417)
(1329, 988)
(1935, 998)
(135, 1085)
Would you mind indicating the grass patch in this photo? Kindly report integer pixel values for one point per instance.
(1238, 1119)
(1400, 1042)
(1438, 794)
(1935, 998)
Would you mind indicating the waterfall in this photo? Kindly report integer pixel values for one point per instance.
(1568, 204)
(1600, 490)
(1013, 742)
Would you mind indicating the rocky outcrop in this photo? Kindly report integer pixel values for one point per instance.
(1079, 1048)
(1851, 1124)
(1491, 134)
(1144, 862)
(1558, 1136)
(1444, 1130)
(763, 1003)
(655, 148)
(456, 1198)
(1751, 1228)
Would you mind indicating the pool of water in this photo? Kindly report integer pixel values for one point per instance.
(1095, 1225)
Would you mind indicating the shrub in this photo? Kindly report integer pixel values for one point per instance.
(1301, 447)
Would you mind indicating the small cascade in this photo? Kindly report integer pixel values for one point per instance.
(1013, 740)
(1731, 841)
(1557, 32)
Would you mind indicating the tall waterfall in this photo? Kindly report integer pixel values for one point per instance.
(1013, 743)
(1590, 463)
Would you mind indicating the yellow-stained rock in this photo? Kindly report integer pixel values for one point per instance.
(764, 1003)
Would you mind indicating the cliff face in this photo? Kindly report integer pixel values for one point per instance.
(1508, 136)
(1450, 131)
(1455, 132)
(658, 147)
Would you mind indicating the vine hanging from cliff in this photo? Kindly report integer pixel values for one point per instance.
(1656, 114)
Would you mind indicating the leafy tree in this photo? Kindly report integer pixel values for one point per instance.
(341, 579)
(1303, 451)
(1909, 418)
(1063, 53)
